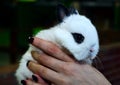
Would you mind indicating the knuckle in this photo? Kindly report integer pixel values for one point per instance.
(65, 81)
(68, 69)
(53, 49)
(67, 66)
(64, 68)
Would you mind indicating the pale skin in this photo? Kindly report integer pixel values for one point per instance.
(60, 69)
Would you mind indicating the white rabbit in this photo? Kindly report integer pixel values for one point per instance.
(75, 32)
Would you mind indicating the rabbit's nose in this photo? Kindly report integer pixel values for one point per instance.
(92, 48)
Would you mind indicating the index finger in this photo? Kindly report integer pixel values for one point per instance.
(51, 49)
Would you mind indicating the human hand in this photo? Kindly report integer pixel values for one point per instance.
(60, 69)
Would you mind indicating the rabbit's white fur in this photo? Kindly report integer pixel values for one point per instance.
(61, 35)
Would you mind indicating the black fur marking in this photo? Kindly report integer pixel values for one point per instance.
(79, 38)
(62, 12)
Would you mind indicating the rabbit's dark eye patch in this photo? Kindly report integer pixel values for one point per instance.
(79, 38)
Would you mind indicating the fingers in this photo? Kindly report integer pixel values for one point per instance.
(48, 61)
(44, 72)
(51, 49)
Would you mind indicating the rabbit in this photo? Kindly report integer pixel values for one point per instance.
(74, 32)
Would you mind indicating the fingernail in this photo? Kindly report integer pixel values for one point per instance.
(23, 82)
(34, 78)
(27, 63)
(30, 39)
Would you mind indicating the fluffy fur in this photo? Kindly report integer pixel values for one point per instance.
(61, 35)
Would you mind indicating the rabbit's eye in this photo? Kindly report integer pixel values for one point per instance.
(79, 38)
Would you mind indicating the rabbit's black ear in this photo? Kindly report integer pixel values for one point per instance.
(62, 12)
